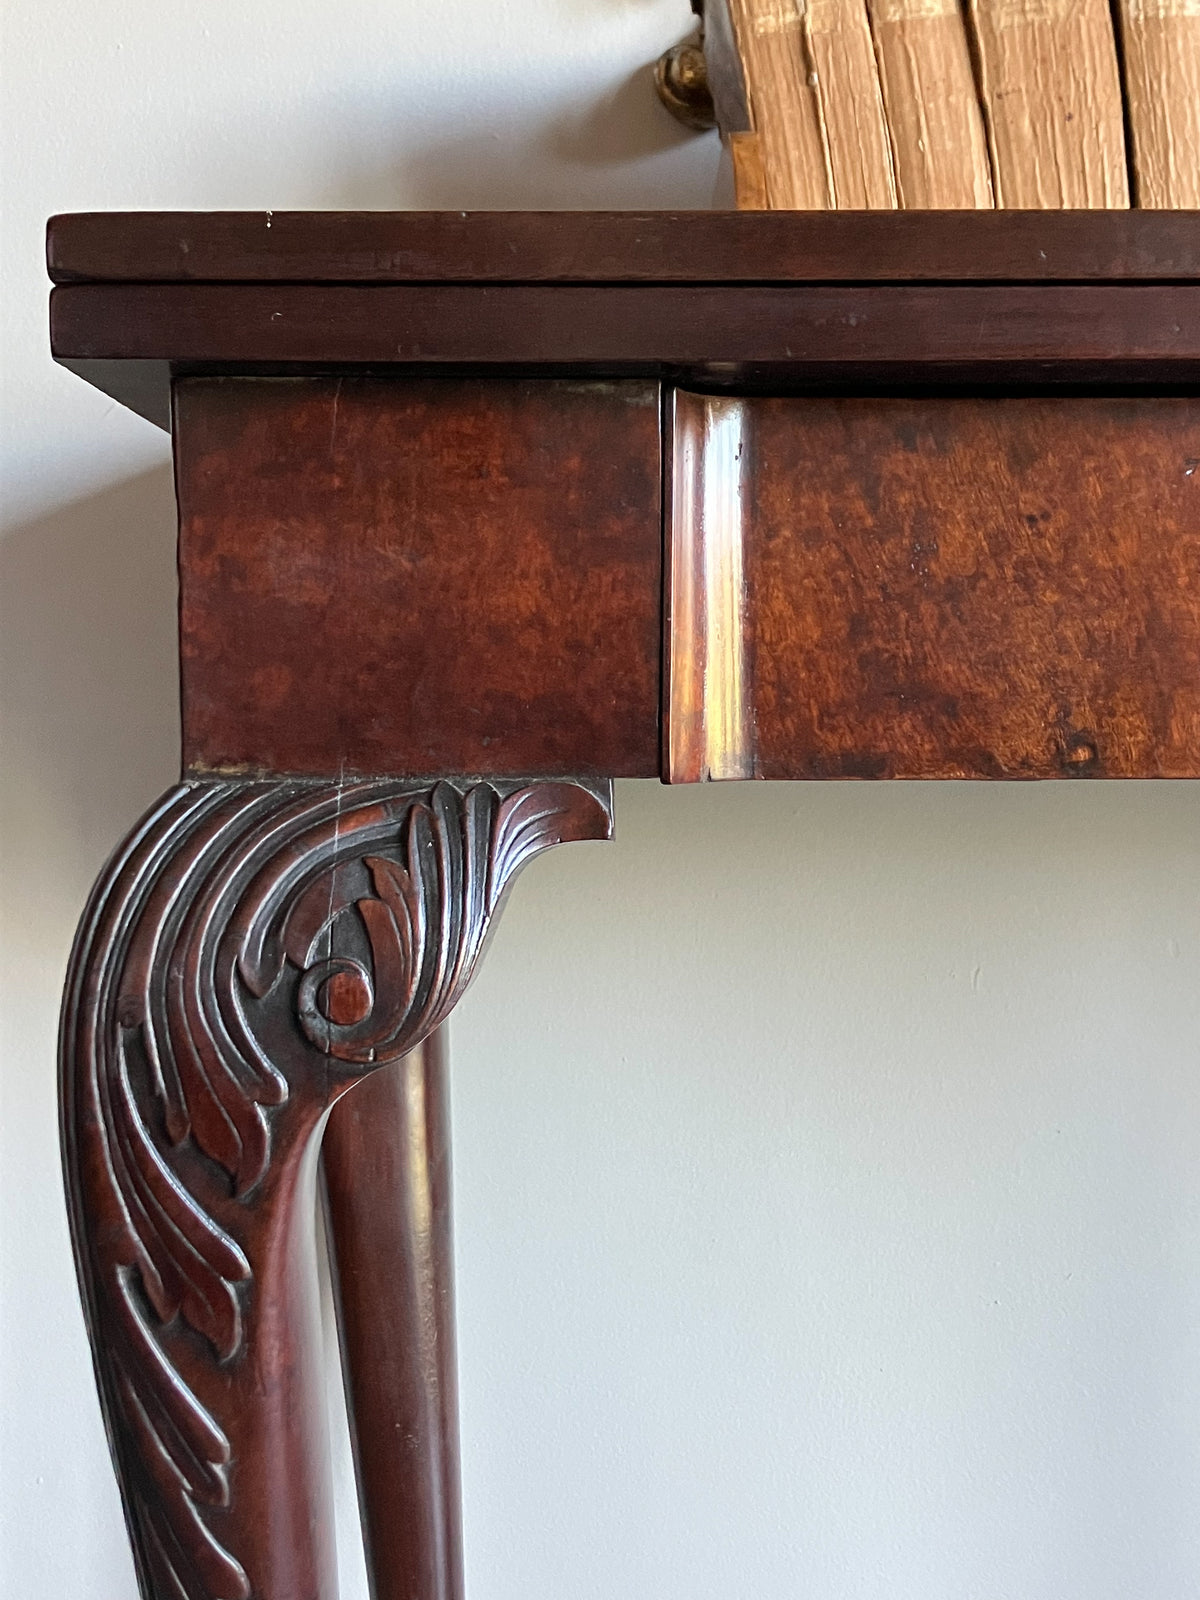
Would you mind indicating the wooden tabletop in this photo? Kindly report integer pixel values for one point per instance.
(624, 247)
(732, 299)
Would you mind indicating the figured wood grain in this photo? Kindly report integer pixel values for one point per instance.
(434, 575)
(389, 577)
(1161, 61)
(979, 588)
(1051, 94)
(934, 121)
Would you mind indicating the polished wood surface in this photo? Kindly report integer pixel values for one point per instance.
(756, 335)
(250, 952)
(971, 588)
(708, 729)
(419, 578)
(700, 298)
(918, 523)
(620, 247)
(386, 1165)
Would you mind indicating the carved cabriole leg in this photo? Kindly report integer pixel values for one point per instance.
(250, 952)
(386, 1164)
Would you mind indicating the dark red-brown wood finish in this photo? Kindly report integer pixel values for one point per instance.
(715, 247)
(477, 513)
(699, 298)
(966, 588)
(252, 950)
(383, 576)
(385, 1160)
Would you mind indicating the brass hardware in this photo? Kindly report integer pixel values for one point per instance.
(681, 78)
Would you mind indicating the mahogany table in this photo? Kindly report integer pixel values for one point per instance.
(478, 512)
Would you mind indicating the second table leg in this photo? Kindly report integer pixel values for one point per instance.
(386, 1159)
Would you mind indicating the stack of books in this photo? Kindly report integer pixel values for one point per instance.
(937, 105)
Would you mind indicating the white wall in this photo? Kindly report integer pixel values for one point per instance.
(828, 1158)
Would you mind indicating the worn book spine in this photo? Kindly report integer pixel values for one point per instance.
(749, 179)
(769, 35)
(844, 79)
(1051, 95)
(1161, 46)
(939, 146)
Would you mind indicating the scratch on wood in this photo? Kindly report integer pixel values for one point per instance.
(337, 396)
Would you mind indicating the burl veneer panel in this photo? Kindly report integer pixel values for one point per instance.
(419, 577)
(974, 588)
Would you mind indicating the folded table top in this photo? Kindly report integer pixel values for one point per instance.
(728, 299)
(624, 247)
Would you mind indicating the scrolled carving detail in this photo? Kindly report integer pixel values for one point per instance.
(425, 917)
(251, 950)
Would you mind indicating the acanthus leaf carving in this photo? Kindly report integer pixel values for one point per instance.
(253, 948)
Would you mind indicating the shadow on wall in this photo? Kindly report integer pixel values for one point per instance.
(625, 125)
(623, 151)
(88, 660)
